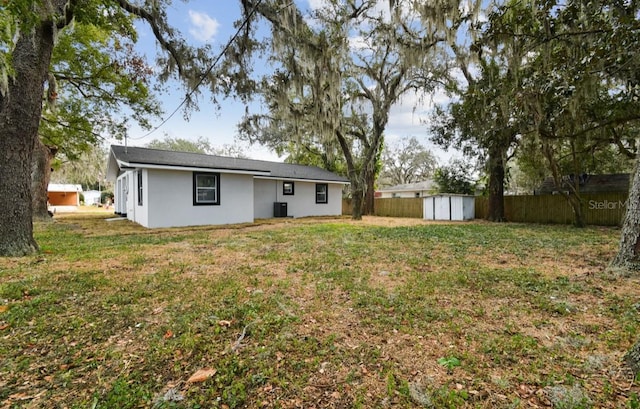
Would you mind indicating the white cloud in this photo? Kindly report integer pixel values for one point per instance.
(359, 43)
(317, 4)
(411, 116)
(204, 28)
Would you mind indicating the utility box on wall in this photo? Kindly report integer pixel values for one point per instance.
(449, 207)
(279, 209)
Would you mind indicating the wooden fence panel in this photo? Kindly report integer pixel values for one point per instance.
(399, 207)
(604, 209)
(481, 207)
(392, 207)
(346, 207)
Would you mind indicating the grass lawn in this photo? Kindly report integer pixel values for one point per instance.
(316, 313)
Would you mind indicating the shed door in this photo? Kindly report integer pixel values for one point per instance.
(457, 213)
(442, 208)
(428, 207)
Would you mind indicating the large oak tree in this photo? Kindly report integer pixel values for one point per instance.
(96, 86)
(338, 71)
(30, 31)
(576, 96)
(406, 161)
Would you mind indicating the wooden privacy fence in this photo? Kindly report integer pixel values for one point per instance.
(603, 209)
(392, 207)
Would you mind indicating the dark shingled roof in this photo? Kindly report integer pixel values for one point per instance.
(146, 156)
(617, 182)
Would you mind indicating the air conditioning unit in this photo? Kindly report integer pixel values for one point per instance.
(279, 209)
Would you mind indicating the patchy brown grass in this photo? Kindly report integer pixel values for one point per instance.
(315, 313)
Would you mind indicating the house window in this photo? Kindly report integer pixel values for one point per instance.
(206, 189)
(287, 188)
(322, 193)
(417, 194)
(139, 188)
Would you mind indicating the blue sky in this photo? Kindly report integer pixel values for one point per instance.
(211, 22)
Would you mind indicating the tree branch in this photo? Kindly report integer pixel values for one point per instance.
(68, 14)
(153, 23)
(73, 128)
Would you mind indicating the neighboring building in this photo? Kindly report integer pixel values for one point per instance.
(419, 189)
(63, 196)
(92, 197)
(612, 183)
(158, 188)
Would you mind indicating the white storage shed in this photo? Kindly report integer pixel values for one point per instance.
(449, 207)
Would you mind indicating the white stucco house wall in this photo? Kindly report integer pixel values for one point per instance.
(159, 188)
(419, 189)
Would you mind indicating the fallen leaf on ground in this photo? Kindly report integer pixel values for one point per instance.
(19, 396)
(4, 326)
(202, 375)
(4, 308)
(168, 334)
(224, 323)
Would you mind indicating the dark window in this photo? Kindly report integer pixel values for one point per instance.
(287, 188)
(206, 189)
(322, 193)
(139, 188)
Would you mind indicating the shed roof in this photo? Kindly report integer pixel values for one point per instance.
(144, 157)
(63, 187)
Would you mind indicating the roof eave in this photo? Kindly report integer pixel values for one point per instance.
(270, 177)
(134, 165)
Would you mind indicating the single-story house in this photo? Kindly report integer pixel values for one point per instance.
(609, 183)
(159, 188)
(63, 196)
(419, 189)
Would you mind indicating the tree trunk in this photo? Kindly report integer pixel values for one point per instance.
(573, 197)
(369, 194)
(496, 188)
(357, 189)
(20, 110)
(628, 257)
(632, 359)
(357, 196)
(40, 177)
(576, 205)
